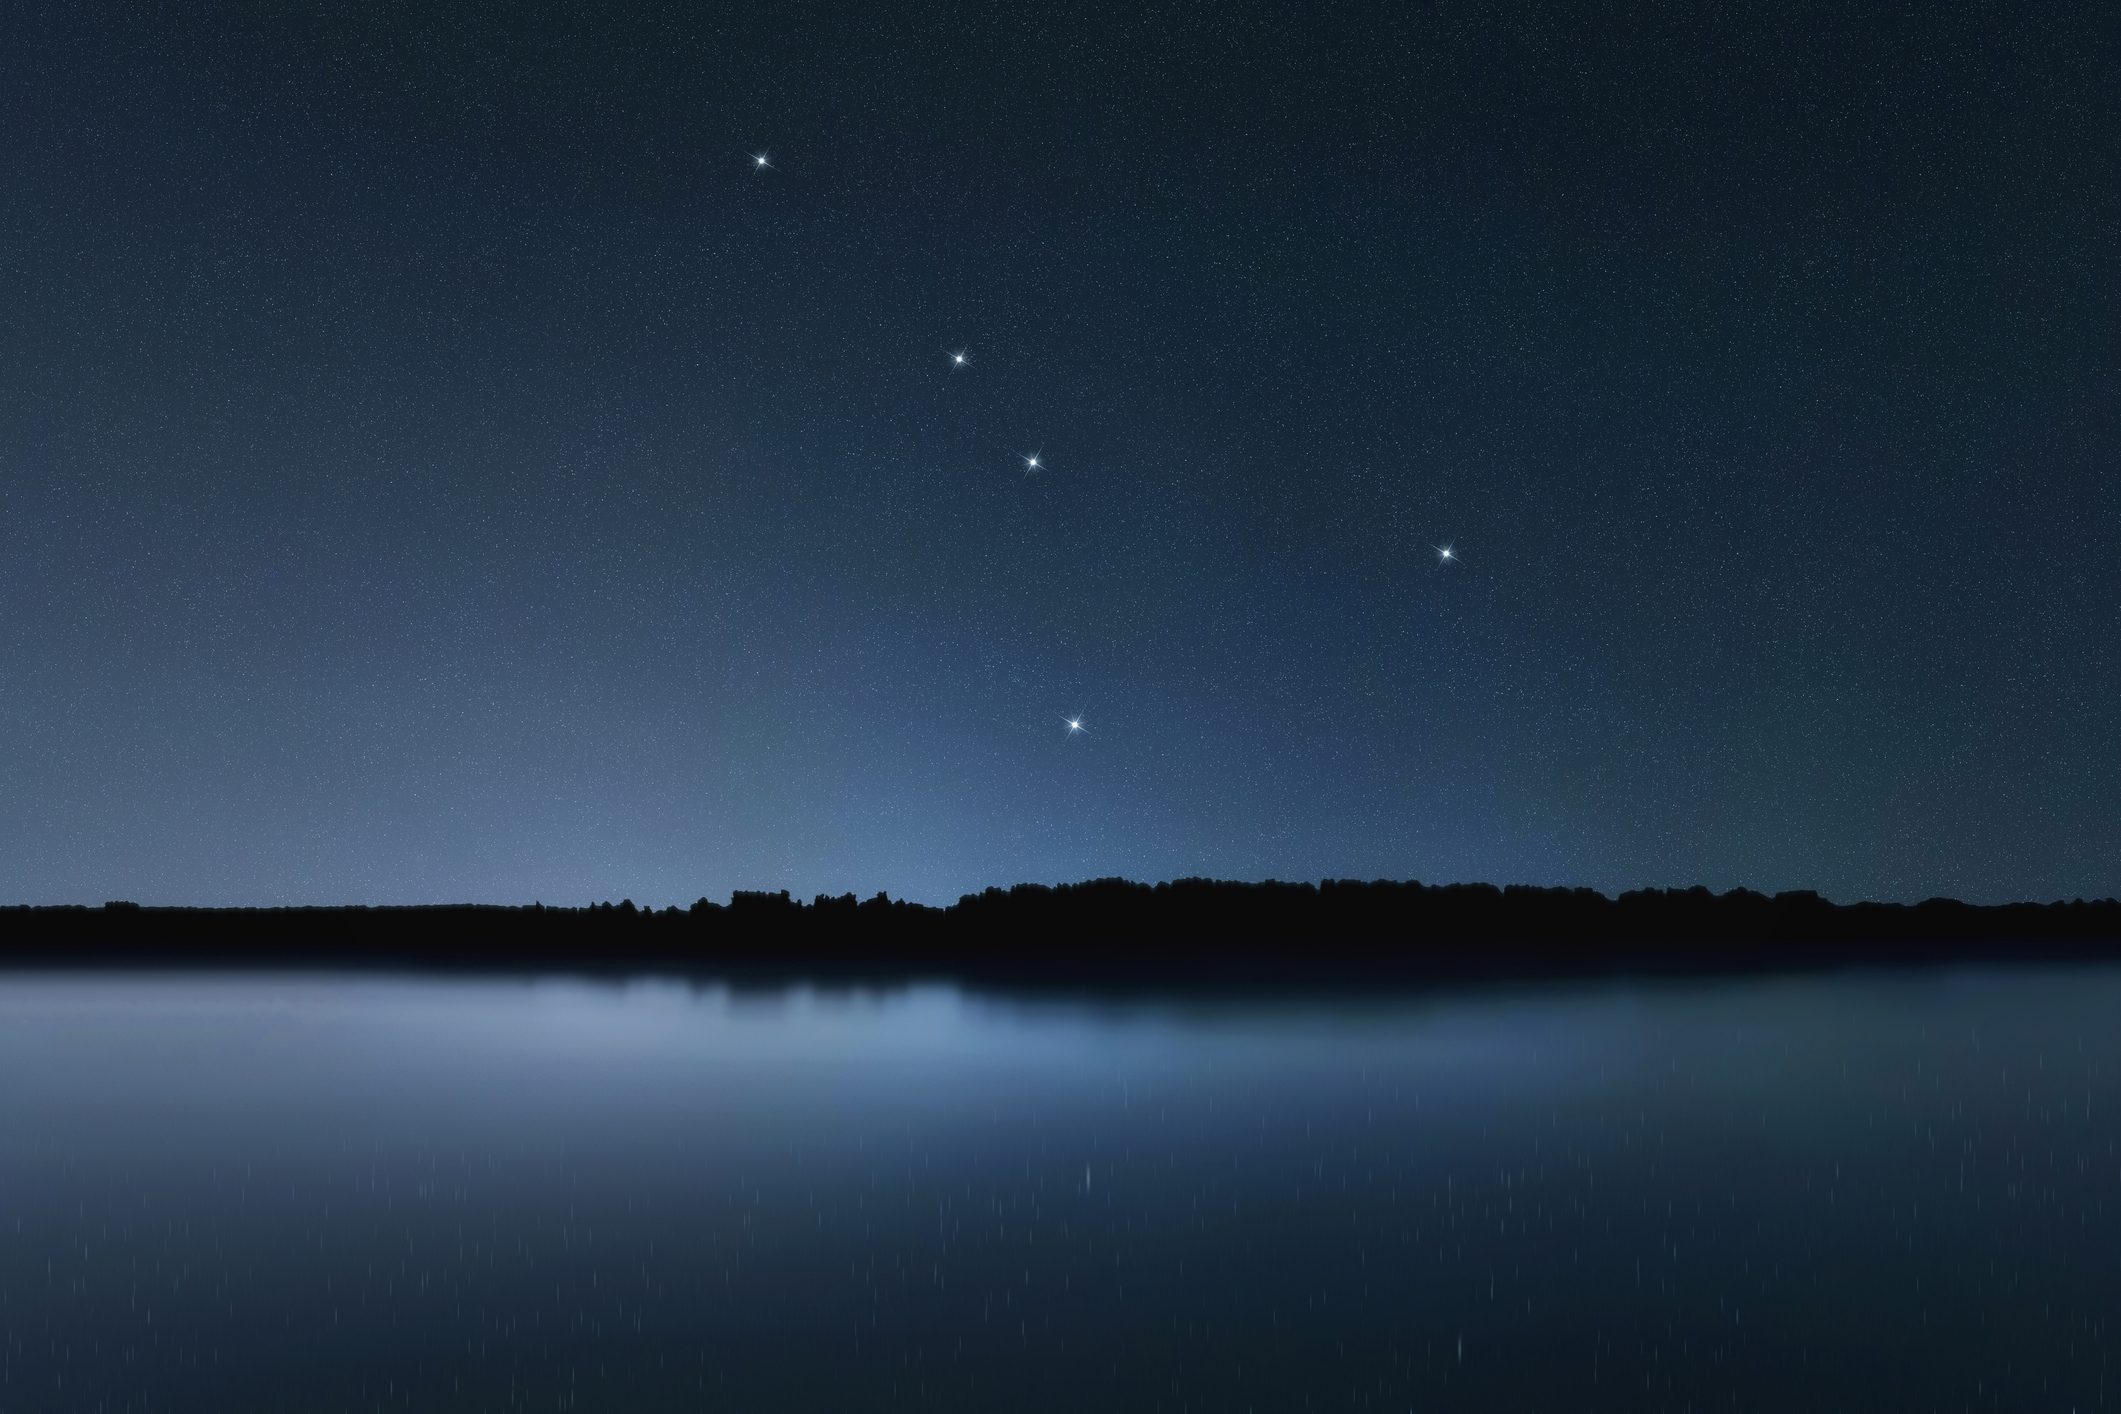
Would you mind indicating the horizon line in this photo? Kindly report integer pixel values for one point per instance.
(790, 898)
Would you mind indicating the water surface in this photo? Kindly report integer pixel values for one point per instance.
(274, 1192)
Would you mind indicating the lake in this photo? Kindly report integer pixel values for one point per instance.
(272, 1192)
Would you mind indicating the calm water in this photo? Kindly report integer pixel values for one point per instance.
(281, 1193)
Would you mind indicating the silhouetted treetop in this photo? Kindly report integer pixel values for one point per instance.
(1103, 927)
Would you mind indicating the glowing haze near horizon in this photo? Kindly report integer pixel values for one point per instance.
(439, 461)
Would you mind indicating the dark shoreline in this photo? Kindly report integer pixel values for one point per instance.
(1190, 933)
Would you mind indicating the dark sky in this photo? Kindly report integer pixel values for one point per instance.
(437, 463)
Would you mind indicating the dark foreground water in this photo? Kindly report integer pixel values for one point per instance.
(298, 1193)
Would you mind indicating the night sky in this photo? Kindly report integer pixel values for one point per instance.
(439, 462)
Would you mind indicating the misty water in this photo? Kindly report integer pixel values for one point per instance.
(276, 1192)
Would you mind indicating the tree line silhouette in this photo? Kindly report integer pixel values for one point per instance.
(1105, 928)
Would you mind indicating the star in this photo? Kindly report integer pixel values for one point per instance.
(1445, 555)
(1031, 463)
(960, 359)
(759, 162)
(1075, 724)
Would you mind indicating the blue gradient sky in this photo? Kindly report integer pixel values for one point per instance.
(436, 464)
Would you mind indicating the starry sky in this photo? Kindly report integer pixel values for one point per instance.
(439, 461)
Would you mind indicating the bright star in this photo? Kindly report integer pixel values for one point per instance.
(1031, 462)
(759, 162)
(958, 359)
(1075, 724)
(1445, 554)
